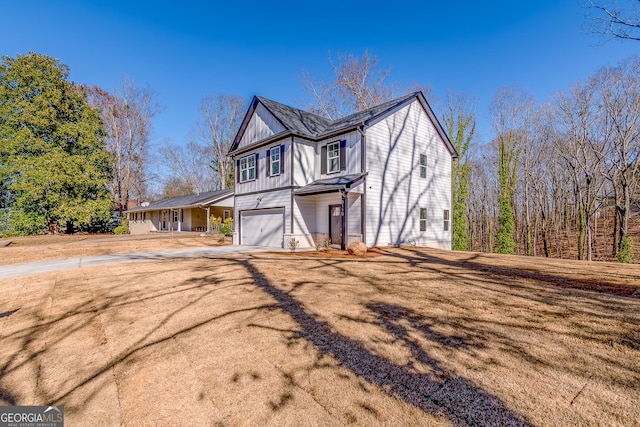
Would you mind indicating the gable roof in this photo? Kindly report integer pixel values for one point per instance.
(191, 200)
(314, 127)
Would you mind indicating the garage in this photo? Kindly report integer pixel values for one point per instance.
(262, 227)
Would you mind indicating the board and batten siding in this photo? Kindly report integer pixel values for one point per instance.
(262, 125)
(305, 162)
(395, 190)
(262, 181)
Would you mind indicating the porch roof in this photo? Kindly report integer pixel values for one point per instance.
(330, 185)
(193, 200)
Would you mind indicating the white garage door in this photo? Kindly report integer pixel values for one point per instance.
(263, 227)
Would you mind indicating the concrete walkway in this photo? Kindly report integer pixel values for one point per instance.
(48, 266)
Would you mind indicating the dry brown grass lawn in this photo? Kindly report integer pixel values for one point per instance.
(412, 337)
(38, 248)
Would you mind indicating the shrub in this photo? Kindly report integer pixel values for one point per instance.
(625, 254)
(123, 227)
(293, 244)
(225, 229)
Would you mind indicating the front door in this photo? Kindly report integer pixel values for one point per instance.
(335, 225)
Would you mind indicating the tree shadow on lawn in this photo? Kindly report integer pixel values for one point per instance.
(530, 310)
(419, 257)
(439, 393)
(88, 310)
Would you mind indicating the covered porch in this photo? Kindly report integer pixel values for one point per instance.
(183, 213)
(330, 209)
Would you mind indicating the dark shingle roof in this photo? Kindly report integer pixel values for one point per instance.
(185, 201)
(314, 127)
(365, 115)
(296, 120)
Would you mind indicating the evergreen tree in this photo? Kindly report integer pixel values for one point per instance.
(52, 149)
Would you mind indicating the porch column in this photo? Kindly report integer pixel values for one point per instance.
(179, 219)
(345, 220)
(208, 217)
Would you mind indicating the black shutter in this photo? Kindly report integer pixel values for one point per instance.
(238, 171)
(282, 158)
(343, 158)
(268, 162)
(323, 160)
(256, 171)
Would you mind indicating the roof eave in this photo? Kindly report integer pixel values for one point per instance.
(336, 132)
(438, 126)
(320, 191)
(217, 199)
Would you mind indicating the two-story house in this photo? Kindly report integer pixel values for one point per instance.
(381, 176)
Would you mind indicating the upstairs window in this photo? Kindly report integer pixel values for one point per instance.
(423, 165)
(446, 220)
(275, 160)
(423, 219)
(247, 168)
(332, 157)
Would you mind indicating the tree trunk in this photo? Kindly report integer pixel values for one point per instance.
(581, 232)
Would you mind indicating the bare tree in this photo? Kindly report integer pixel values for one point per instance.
(614, 18)
(358, 84)
(577, 143)
(510, 110)
(174, 187)
(216, 129)
(460, 121)
(190, 166)
(619, 98)
(127, 113)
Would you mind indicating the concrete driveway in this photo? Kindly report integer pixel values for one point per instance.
(48, 266)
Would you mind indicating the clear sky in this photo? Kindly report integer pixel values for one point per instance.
(187, 50)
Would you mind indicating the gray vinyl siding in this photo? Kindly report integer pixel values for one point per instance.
(395, 190)
(262, 125)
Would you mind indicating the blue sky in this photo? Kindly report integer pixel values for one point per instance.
(187, 50)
